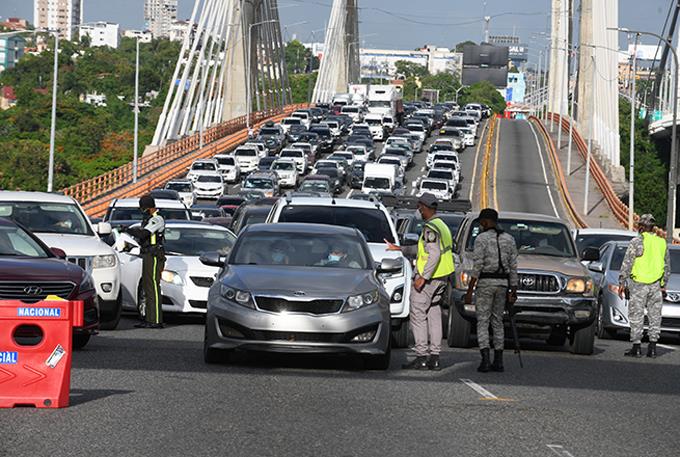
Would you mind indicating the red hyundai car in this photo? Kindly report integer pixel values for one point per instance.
(30, 271)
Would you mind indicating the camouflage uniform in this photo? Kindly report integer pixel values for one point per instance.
(643, 295)
(491, 293)
(426, 314)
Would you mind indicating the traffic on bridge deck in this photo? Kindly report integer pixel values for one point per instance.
(256, 244)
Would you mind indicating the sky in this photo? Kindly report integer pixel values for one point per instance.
(390, 24)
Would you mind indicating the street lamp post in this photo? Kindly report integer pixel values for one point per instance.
(673, 172)
(53, 126)
(135, 161)
(249, 69)
(458, 90)
(631, 166)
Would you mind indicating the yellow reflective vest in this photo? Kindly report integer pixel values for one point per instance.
(649, 267)
(445, 267)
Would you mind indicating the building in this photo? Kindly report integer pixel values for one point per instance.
(178, 30)
(101, 34)
(15, 23)
(144, 36)
(159, 16)
(518, 52)
(516, 88)
(11, 50)
(647, 62)
(62, 15)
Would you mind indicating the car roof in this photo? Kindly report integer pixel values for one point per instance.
(160, 203)
(329, 201)
(195, 224)
(179, 181)
(605, 231)
(529, 217)
(311, 229)
(42, 197)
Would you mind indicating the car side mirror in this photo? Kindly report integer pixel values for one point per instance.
(591, 254)
(103, 228)
(59, 253)
(596, 266)
(212, 259)
(391, 265)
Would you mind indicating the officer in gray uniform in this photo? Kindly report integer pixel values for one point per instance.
(494, 274)
(645, 271)
(434, 265)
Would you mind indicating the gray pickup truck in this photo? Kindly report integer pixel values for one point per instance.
(556, 296)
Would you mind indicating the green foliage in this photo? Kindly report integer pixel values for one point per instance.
(651, 173)
(302, 85)
(89, 140)
(298, 57)
(410, 69)
(459, 47)
(483, 92)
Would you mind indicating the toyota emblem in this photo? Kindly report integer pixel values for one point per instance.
(32, 290)
(528, 281)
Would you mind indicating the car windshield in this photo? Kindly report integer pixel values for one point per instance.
(299, 250)
(209, 178)
(258, 183)
(444, 157)
(328, 163)
(245, 153)
(291, 121)
(179, 186)
(134, 214)
(350, 109)
(445, 164)
(314, 186)
(225, 160)
(230, 201)
(322, 131)
(390, 161)
(269, 131)
(434, 185)
(47, 217)
(309, 137)
(415, 128)
(195, 241)
(15, 242)
(344, 155)
(327, 171)
(357, 150)
(584, 241)
(283, 166)
(396, 152)
(294, 154)
(440, 174)
(533, 237)
(377, 183)
(204, 166)
(371, 222)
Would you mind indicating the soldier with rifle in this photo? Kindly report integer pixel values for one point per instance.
(494, 279)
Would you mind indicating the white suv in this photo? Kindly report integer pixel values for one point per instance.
(374, 222)
(60, 222)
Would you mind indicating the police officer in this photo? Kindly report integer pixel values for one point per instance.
(434, 266)
(494, 274)
(150, 236)
(645, 271)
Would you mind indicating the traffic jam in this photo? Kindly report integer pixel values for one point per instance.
(282, 243)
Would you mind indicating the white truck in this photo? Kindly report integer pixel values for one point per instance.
(379, 177)
(386, 100)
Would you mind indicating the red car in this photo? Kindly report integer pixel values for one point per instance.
(30, 271)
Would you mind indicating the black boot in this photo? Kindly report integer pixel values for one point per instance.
(433, 363)
(497, 361)
(419, 363)
(485, 366)
(635, 351)
(651, 349)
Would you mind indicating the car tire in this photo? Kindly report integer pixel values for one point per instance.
(111, 321)
(400, 336)
(603, 332)
(80, 340)
(582, 339)
(378, 362)
(460, 329)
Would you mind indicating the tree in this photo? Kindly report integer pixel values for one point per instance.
(459, 47)
(301, 84)
(410, 69)
(483, 92)
(298, 58)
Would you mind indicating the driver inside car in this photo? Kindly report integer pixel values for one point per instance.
(338, 257)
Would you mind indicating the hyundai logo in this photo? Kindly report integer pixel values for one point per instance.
(32, 290)
(299, 293)
(528, 281)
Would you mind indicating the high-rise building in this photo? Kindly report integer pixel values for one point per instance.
(62, 15)
(11, 50)
(101, 34)
(159, 16)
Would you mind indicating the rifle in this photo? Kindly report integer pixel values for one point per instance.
(509, 307)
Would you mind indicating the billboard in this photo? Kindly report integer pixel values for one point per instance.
(496, 76)
(518, 52)
(485, 55)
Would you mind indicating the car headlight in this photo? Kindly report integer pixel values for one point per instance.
(359, 301)
(241, 297)
(579, 286)
(86, 284)
(171, 277)
(614, 288)
(104, 261)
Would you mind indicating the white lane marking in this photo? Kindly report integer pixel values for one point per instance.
(474, 165)
(350, 193)
(559, 450)
(422, 169)
(545, 175)
(479, 389)
(413, 191)
(665, 346)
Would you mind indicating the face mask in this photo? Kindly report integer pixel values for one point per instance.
(334, 258)
(278, 257)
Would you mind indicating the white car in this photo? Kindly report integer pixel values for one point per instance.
(468, 135)
(185, 189)
(247, 159)
(60, 222)
(307, 147)
(449, 165)
(353, 111)
(360, 152)
(125, 211)
(334, 127)
(288, 121)
(389, 123)
(261, 147)
(228, 167)
(440, 155)
(185, 281)
(375, 125)
(298, 155)
(438, 187)
(391, 141)
(326, 163)
(394, 160)
(202, 167)
(418, 129)
(304, 117)
(444, 173)
(347, 155)
(287, 171)
(209, 186)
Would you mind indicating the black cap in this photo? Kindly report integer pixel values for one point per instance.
(428, 200)
(489, 213)
(146, 202)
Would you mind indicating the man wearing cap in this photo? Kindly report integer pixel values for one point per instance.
(150, 236)
(434, 266)
(645, 271)
(494, 274)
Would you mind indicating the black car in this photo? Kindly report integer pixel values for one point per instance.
(326, 141)
(250, 213)
(309, 137)
(165, 194)
(265, 163)
(356, 175)
(335, 176)
(295, 131)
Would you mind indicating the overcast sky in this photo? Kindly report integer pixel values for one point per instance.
(392, 24)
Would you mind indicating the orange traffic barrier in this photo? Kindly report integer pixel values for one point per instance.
(35, 352)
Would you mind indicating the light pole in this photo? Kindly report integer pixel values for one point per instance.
(135, 161)
(249, 70)
(458, 90)
(631, 165)
(53, 126)
(673, 172)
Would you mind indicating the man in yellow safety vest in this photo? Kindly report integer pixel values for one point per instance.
(645, 272)
(434, 267)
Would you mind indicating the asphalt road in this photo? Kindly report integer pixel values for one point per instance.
(147, 392)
